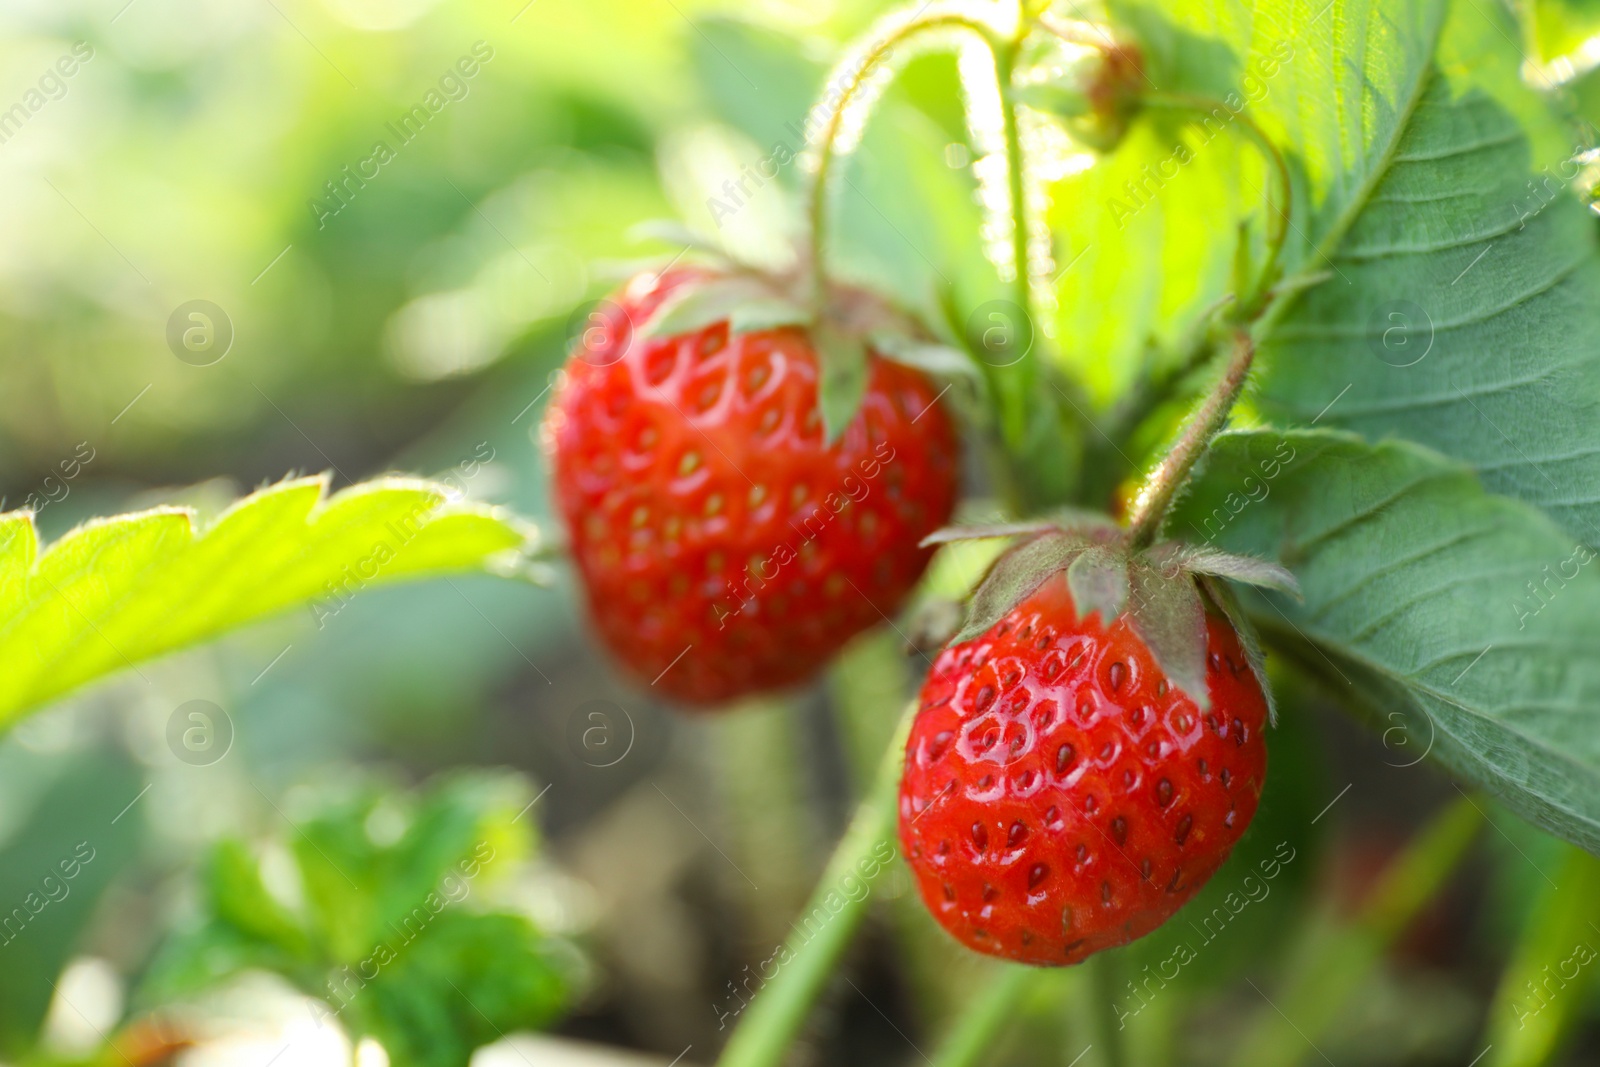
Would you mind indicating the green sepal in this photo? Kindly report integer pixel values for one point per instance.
(947, 534)
(1099, 582)
(1017, 574)
(673, 232)
(1168, 615)
(1222, 595)
(931, 357)
(1202, 559)
(694, 307)
(767, 313)
(843, 362)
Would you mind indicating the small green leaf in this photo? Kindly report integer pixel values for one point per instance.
(1527, 1025)
(1015, 575)
(54, 870)
(1251, 570)
(1099, 582)
(1169, 617)
(694, 307)
(950, 534)
(844, 378)
(120, 590)
(467, 980)
(930, 357)
(673, 232)
(234, 883)
(767, 313)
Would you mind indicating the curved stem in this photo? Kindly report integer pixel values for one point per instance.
(865, 66)
(1150, 509)
(837, 906)
(1278, 197)
(1013, 382)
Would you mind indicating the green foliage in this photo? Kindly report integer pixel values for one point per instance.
(53, 872)
(1545, 990)
(117, 591)
(1435, 293)
(1459, 617)
(390, 921)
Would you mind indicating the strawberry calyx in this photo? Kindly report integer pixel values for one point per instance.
(1166, 589)
(845, 327)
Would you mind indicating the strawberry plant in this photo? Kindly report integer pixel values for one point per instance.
(1152, 375)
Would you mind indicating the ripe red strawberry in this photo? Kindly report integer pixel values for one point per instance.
(1061, 794)
(724, 547)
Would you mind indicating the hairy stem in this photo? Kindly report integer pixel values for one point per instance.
(833, 914)
(1150, 509)
(1014, 382)
(854, 77)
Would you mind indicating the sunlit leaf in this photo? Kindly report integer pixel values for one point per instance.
(117, 591)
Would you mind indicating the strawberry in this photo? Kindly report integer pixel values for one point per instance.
(1070, 782)
(726, 546)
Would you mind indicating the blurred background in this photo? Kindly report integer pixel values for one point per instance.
(386, 220)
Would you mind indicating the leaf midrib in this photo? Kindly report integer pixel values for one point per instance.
(1296, 285)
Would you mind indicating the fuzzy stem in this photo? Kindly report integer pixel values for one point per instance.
(809, 957)
(876, 53)
(1150, 510)
(1014, 383)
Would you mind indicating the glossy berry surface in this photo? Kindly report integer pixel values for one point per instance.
(1060, 797)
(723, 547)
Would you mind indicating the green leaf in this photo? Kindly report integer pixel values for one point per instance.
(1168, 614)
(843, 359)
(1015, 575)
(1459, 309)
(399, 934)
(767, 314)
(1545, 988)
(930, 357)
(467, 981)
(234, 884)
(1099, 582)
(120, 590)
(53, 871)
(694, 307)
(951, 534)
(1463, 314)
(1464, 620)
(1203, 559)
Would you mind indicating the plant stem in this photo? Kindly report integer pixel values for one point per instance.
(976, 1028)
(1014, 382)
(833, 914)
(855, 74)
(1103, 973)
(1150, 509)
